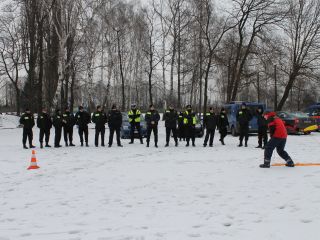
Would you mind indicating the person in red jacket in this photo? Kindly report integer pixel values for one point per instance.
(278, 134)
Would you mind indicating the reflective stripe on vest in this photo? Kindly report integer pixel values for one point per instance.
(137, 119)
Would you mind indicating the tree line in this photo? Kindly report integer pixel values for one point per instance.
(59, 53)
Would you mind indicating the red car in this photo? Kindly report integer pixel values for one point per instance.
(298, 122)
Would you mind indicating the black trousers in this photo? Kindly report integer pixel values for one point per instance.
(279, 144)
(83, 130)
(181, 132)
(209, 133)
(99, 131)
(244, 134)
(190, 133)
(223, 133)
(262, 136)
(57, 136)
(27, 133)
(133, 127)
(112, 130)
(155, 133)
(174, 133)
(68, 134)
(44, 133)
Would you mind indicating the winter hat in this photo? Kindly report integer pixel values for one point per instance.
(57, 110)
(133, 105)
(80, 107)
(188, 106)
(114, 106)
(27, 110)
(98, 106)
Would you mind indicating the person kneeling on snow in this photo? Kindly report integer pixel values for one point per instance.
(278, 134)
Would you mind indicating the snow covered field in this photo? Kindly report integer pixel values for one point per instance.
(139, 193)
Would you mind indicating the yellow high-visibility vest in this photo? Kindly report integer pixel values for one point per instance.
(137, 119)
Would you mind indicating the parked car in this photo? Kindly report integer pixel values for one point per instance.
(232, 110)
(314, 112)
(298, 122)
(126, 127)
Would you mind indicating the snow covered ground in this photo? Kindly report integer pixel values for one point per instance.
(139, 193)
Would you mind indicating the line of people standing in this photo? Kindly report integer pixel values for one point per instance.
(66, 121)
(181, 126)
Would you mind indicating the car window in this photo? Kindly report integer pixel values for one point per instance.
(300, 114)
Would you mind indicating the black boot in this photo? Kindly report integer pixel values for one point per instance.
(47, 145)
(246, 144)
(290, 163)
(259, 146)
(131, 142)
(156, 145)
(167, 145)
(119, 145)
(222, 142)
(81, 144)
(87, 145)
(25, 146)
(67, 144)
(141, 141)
(31, 146)
(176, 145)
(193, 144)
(240, 145)
(41, 145)
(147, 144)
(204, 145)
(71, 144)
(266, 164)
(187, 145)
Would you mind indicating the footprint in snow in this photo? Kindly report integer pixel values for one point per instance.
(194, 235)
(306, 220)
(227, 224)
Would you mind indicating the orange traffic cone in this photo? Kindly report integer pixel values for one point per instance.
(33, 164)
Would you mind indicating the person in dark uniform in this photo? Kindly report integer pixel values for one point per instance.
(210, 123)
(223, 124)
(170, 117)
(44, 123)
(189, 120)
(68, 123)
(27, 121)
(243, 118)
(82, 121)
(100, 119)
(181, 130)
(278, 134)
(57, 123)
(134, 119)
(152, 118)
(115, 123)
(262, 129)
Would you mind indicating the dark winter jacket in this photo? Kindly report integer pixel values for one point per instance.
(262, 122)
(189, 119)
(223, 121)
(68, 120)
(27, 120)
(44, 121)
(82, 119)
(100, 119)
(210, 121)
(244, 116)
(152, 118)
(277, 128)
(115, 119)
(180, 120)
(57, 120)
(170, 117)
